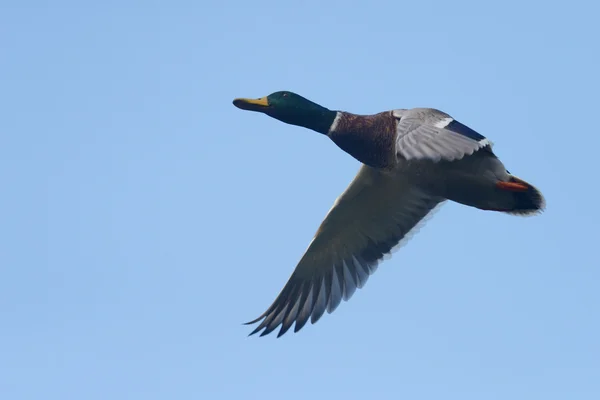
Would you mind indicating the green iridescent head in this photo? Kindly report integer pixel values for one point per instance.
(291, 108)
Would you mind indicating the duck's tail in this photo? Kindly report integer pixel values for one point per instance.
(525, 198)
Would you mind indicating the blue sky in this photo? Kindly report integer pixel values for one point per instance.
(144, 218)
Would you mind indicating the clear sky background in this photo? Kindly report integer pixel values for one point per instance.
(143, 217)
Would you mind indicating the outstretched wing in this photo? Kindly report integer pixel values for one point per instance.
(436, 139)
(370, 218)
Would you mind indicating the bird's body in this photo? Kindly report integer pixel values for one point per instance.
(413, 160)
(457, 171)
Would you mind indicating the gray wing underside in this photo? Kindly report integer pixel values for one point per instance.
(372, 217)
(419, 141)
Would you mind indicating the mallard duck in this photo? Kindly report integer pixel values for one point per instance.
(412, 161)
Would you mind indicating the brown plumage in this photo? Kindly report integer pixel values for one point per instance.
(369, 138)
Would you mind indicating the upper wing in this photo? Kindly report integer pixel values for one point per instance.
(446, 139)
(371, 217)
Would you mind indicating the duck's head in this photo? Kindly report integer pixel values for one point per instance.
(291, 108)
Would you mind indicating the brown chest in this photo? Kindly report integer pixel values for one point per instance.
(368, 138)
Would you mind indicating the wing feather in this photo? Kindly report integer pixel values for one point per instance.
(435, 139)
(374, 214)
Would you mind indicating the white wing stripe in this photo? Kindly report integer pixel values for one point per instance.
(443, 122)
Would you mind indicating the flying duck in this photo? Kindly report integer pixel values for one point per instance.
(412, 161)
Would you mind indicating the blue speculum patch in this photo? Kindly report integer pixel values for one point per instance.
(464, 130)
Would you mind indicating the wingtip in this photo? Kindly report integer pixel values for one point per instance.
(255, 331)
(283, 330)
(255, 320)
(258, 328)
(265, 332)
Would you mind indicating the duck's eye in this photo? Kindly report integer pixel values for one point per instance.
(285, 95)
